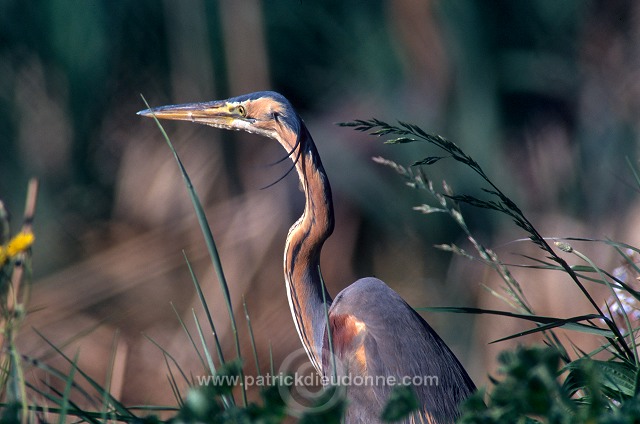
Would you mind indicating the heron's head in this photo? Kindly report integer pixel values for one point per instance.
(265, 113)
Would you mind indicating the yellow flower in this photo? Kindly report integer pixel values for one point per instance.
(18, 244)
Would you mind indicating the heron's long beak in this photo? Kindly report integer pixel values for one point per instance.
(217, 114)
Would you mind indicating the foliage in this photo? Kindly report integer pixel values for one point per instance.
(206, 404)
(535, 384)
(402, 402)
(205, 401)
(539, 384)
(15, 272)
(530, 388)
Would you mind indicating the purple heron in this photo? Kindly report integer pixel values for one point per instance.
(374, 332)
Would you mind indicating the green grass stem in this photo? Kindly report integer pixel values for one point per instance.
(252, 339)
(209, 240)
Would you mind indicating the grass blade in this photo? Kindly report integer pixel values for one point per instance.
(120, 408)
(203, 302)
(613, 327)
(572, 323)
(186, 330)
(251, 337)
(67, 390)
(173, 384)
(169, 356)
(208, 237)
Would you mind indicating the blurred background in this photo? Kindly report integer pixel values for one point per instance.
(544, 95)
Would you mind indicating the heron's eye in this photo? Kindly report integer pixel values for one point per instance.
(242, 111)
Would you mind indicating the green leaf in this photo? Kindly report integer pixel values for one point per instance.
(199, 406)
(227, 377)
(428, 160)
(616, 377)
(567, 324)
(402, 402)
(572, 323)
(399, 140)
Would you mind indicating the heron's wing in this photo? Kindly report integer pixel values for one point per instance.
(345, 362)
(378, 336)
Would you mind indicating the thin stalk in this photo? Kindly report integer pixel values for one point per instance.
(67, 391)
(227, 400)
(188, 333)
(251, 337)
(203, 302)
(613, 292)
(109, 375)
(209, 241)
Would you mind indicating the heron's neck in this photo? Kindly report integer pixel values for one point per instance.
(302, 250)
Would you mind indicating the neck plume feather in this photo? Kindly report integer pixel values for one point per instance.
(304, 244)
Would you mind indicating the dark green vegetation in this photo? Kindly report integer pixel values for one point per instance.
(542, 94)
(535, 384)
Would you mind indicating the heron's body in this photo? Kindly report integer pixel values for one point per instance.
(375, 334)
